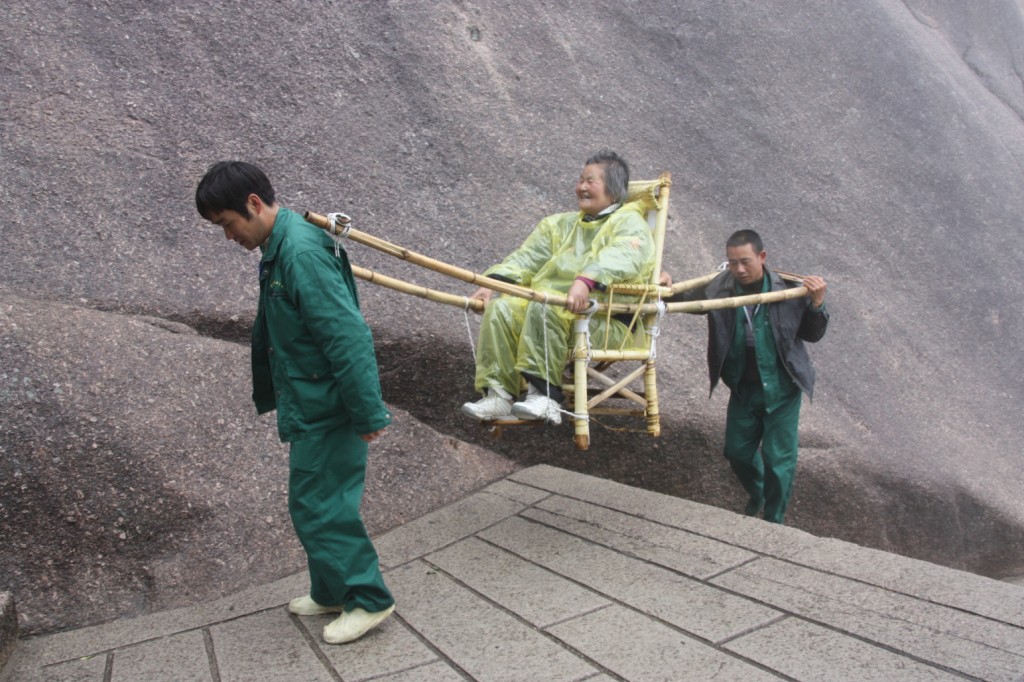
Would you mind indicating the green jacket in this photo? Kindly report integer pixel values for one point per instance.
(312, 352)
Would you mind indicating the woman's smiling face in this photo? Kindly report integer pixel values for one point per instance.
(591, 191)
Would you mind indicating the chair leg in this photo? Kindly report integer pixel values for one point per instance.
(580, 353)
(651, 391)
(582, 423)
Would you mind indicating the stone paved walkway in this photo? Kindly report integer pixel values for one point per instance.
(554, 575)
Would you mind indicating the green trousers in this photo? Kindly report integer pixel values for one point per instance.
(325, 489)
(767, 477)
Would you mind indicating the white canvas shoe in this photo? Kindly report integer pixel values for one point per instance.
(537, 406)
(351, 625)
(492, 406)
(305, 606)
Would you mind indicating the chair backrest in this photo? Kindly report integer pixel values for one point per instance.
(654, 195)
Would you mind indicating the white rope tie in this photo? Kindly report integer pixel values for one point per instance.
(583, 326)
(469, 331)
(544, 317)
(655, 331)
(338, 235)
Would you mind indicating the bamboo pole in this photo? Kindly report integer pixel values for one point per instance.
(661, 221)
(736, 301)
(415, 290)
(695, 283)
(552, 299)
(459, 273)
(437, 266)
(617, 355)
(698, 282)
(682, 307)
(686, 306)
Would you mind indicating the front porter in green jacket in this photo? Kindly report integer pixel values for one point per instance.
(312, 352)
(312, 361)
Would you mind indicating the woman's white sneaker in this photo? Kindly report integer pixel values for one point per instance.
(537, 406)
(493, 406)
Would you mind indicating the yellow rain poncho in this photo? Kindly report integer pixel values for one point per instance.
(614, 249)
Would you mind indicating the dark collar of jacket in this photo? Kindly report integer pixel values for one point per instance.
(724, 285)
(602, 215)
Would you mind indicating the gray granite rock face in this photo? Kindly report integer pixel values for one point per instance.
(878, 144)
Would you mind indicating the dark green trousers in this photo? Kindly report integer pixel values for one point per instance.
(325, 489)
(766, 476)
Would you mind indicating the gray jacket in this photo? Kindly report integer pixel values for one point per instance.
(792, 322)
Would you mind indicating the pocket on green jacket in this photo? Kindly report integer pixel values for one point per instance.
(313, 388)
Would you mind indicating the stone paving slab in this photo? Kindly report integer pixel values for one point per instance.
(435, 672)
(806, 651)
(86, 641)
(554, 575)
(179, 658)
(693, 555)
(81, 670)
(674, 512)
(246, 647)
(704, 611)
(938, 634)
(975, 594)
(536, 595)
(450, 524)
(485, 641)
(639, 648)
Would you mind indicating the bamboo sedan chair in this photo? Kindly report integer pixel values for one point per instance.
(595, 363)
(586, 400)
(592, 379)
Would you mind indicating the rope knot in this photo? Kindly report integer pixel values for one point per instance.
(333, 220)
